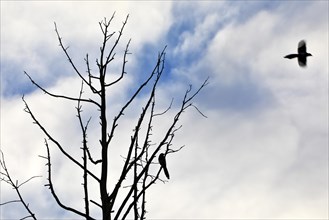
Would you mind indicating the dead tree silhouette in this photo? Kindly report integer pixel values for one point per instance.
(138, 170)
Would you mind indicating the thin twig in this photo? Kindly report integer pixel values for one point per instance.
(60, 96)
(123, 66)
(28, 110)
(52, 190)
(15, 186)
(70, 59)
(28, 180)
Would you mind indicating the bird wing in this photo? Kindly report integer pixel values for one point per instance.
(162, 161)
(302, 61)
(301, 47)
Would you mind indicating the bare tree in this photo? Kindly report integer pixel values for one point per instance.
(141, 153)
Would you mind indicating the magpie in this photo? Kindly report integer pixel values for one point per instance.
(162, 161)
(301, 55)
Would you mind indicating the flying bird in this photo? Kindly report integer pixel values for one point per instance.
(301, 55)
(162, 161)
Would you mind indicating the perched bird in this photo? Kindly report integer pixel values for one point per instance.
(162, 161)
(301, 55)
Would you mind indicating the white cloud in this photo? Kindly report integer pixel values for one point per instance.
(262, 152)
(269, 162)
(29, 41)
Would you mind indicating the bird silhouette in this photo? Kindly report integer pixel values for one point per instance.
(301, 55)
(162, 161)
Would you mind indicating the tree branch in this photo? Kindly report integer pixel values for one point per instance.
(70, 60)
(15, 186)
(123, 66)
(127, 166)
(52, 190)
(167, 139)
(60, 96)
(110, 56)
(27, 109)
(90, 77)
(116, 118)
(84, 148)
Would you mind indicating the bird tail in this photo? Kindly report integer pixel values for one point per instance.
(166, 172)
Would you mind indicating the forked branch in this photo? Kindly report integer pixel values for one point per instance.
(7, 179)
(28, 110)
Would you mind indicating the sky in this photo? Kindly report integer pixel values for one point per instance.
(262, 151)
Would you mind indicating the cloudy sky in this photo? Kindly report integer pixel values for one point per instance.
(262, 153)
